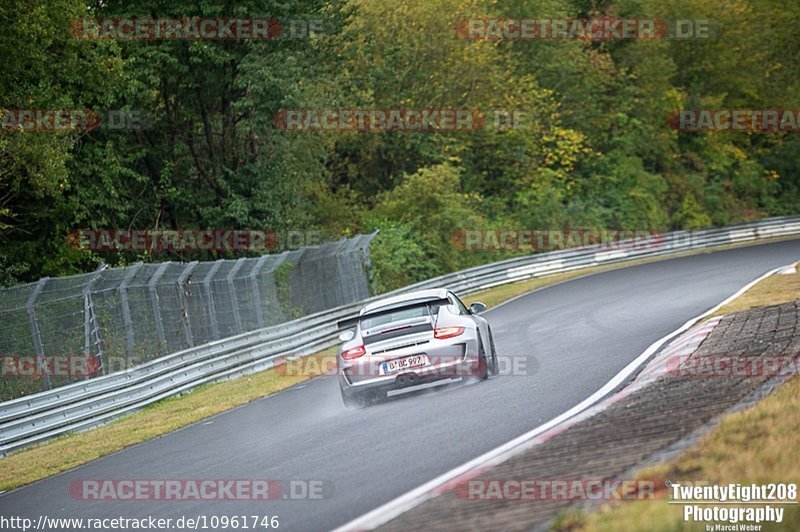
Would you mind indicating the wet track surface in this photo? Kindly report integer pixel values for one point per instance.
(561, 344)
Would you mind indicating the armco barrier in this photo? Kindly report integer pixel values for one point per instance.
(121, 317)
(39, 417)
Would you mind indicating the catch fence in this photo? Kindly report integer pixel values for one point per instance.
(66, 329)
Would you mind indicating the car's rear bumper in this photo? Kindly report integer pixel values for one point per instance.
(446, 365)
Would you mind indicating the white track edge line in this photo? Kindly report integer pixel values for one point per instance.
(417, 496)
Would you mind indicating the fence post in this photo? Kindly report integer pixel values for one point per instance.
(151, 286)
(212, 309)
(181, 282)
(235, 300)
(36, 335)
(256, 290)
(122, 289)
(367, 264)
(90, 321)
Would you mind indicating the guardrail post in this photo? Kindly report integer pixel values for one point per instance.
(181, 286)
(151, 286)
(122, 289)
(212, 309)
(256, 290)
(36, 335)
(232, 289)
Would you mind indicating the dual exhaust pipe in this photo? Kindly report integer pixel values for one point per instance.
(407, 379)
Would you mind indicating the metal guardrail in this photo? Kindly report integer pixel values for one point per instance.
(36, 418)
(118, 318)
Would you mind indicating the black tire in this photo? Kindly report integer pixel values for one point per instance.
(483, 363)
(353, 402)
(494, 365)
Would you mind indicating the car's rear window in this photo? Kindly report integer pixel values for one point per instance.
(399, 315)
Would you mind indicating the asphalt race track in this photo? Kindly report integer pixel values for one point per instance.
(567, 341)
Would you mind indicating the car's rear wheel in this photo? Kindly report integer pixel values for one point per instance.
(353, 401)
(483, 361)
(494, 365)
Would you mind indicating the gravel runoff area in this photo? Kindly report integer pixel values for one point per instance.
(635, 428)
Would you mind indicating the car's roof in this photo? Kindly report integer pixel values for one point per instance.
(418, 295)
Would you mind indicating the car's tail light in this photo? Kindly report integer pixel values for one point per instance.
(354, 352)
(447, 332)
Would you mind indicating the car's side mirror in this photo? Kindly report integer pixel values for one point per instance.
(477, 307)
(346, 336)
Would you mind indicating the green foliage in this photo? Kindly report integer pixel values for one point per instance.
(431, 204)
(596, 150)
(44, 68)
(398, 258)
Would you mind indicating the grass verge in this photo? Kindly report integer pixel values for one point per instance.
(164, 416)
(756, 445)
(72, 450)
(774, 290)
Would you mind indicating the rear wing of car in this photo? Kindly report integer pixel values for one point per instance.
(352, 322)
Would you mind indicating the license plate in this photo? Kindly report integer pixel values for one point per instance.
(400, 364)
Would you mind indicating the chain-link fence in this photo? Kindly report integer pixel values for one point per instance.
(57, 331)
